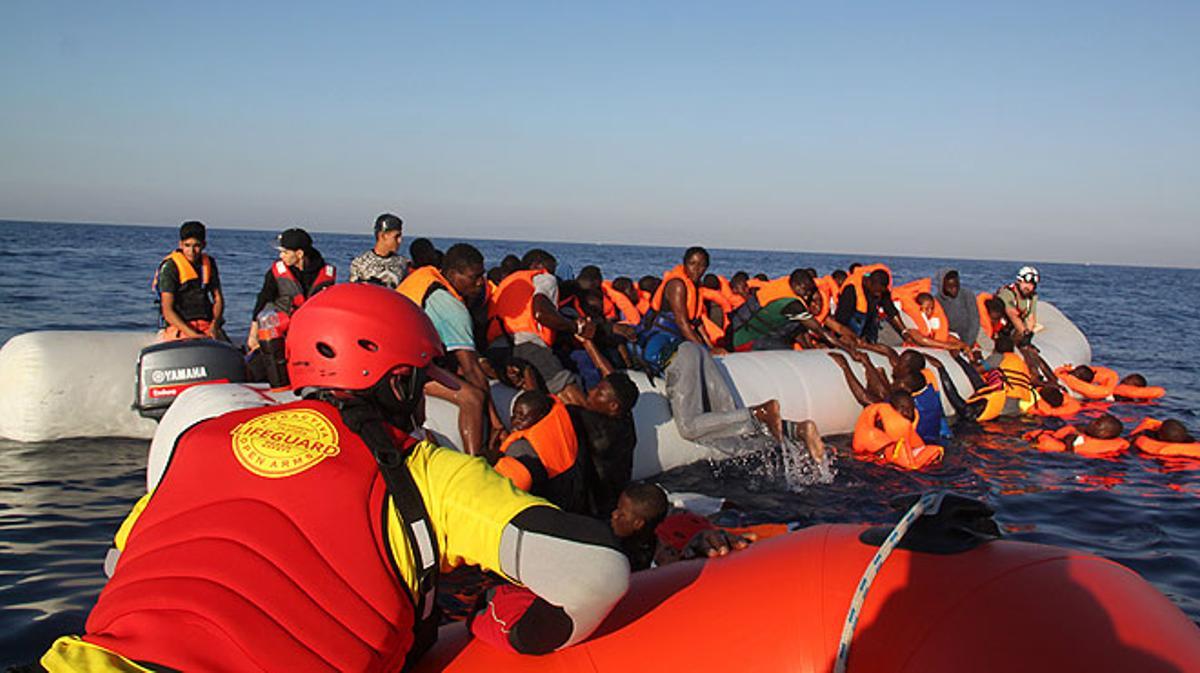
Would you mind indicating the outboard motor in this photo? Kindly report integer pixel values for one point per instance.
(166, 369)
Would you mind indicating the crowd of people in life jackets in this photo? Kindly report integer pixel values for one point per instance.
(310, 535)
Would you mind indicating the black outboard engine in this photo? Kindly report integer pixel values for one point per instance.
(167, 369)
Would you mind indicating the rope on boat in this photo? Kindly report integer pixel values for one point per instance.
(929, 501)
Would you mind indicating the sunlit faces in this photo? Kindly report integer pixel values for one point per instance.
(191, 249)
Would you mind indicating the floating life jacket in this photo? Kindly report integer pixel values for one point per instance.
(1101, 386)
(1056, 442)
(1138, 393)
(291, 293)
(1016, 386)
(510, 309)
(552, 470)
(880, 428)
(1069, 407)
(192, 300)
(1148, 444)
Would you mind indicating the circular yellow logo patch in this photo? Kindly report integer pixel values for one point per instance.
(284, 443)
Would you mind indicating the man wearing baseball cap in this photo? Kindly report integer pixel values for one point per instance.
(299, 273)
(382, 264)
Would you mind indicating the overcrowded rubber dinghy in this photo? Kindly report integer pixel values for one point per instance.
(78, 384)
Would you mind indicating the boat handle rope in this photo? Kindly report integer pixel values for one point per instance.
(928, 502)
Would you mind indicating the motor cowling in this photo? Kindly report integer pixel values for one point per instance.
(165, 370)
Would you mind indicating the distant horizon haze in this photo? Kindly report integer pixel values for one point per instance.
(1063, 131)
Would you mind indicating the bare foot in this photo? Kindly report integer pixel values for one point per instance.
(812, 439)
(768, 414)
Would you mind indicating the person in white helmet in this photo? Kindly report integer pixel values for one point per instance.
(1020, 306)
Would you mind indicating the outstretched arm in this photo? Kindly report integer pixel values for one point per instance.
(856, 388)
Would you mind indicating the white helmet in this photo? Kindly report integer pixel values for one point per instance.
(1029, 274)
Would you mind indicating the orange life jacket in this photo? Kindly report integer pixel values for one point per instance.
(906, 295)
(510, 309)
(643, 303)
(1056, 442)
(1068, 408)
(300, 585)
(1017, 384)
(554, 473)
(856, 281)
(194, 307)
(829, 294)
(291, 292)
(629, 313)
(187, 272)
(1140, 393)
(695, 307)
(1147, 444)
(778, 288)
(985, 322)
(715, 331)
(419, 284)
(735, 300)
(1101, 387)
(881, 428)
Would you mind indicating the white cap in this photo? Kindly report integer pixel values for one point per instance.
(1029, 274)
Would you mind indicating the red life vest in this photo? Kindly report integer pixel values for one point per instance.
(291, 292)
(255, 554)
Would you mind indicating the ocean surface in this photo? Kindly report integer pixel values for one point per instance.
(61, 502)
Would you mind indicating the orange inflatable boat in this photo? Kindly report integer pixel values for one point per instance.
(780, 605)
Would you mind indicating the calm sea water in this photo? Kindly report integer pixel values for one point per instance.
(61, 502)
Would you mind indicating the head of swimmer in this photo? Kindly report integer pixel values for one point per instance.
(1134, 380)
(1052, 394)
(1174, 432)
(910, 361)
(1084, 373)
(530, 407)
(191, 240)
(695, 263)
(1105, 426)
(641, 507)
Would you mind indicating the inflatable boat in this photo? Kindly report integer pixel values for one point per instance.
(781, 605)
(55, 385)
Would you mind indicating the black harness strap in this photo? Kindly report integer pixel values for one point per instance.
(418, 529)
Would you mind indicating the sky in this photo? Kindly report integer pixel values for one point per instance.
(1009, 130)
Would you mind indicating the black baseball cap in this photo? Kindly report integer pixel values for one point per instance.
(294, 239)
(388, 222)
(192, 229)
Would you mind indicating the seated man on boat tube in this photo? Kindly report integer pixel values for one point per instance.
(298, 274)
(776, 318)
(676, 312)
(442, 294)
(189, 289)
(309, 535)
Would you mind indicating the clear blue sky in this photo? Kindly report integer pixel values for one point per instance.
(1042, 131)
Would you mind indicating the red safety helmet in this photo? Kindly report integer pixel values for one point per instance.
(350, 336)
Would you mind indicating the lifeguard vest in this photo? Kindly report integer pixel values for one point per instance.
(421, 283)
(510, 309)
(1147, 444)
(1138, 393)
(189, 304)
(623, 309)
(880, 428)
(906, 296)
(1056, 442)
(1101, 387)
(1068, 408)
(553, 472)
(291, 292)
(311, 585)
